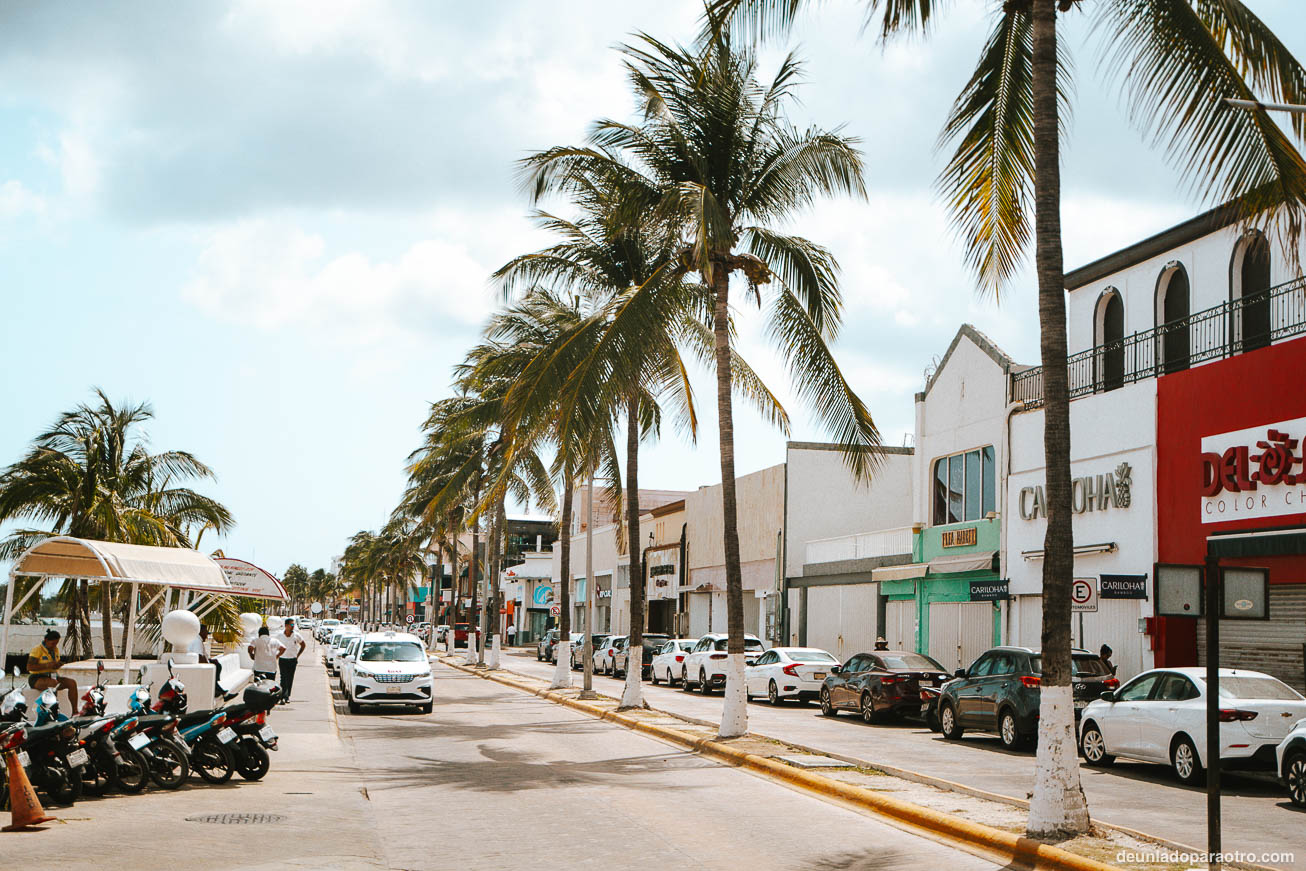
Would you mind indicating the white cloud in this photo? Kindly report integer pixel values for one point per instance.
(16, 200)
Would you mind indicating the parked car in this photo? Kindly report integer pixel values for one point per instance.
(605, 655)
(544, 647)
(441, 632)
(578, 650)
(325, 628)
(1160, 716)
(1291, 762)
(885, 681)
(460, 631)
(705, 666)
(999, 692)
(665, 664)
(336, 645)
(574, 639)
(347, 657)
(391, 668)
(652, 644)
(789, 673)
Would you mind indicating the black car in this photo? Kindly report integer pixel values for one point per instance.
(1000, 693)
(544, 647)
(653, 642)
(883, 682)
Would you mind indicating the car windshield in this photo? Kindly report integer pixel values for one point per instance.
(749, 644)
(909, 662)
(686, 644)
(393, 651)
(1257, 688)
(811, 656)
(1080, 666)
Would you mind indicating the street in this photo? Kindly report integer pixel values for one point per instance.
(493, 778)
(1146, 798)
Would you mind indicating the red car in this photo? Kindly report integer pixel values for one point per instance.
(460, 634)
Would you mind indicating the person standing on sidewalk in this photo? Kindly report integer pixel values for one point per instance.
(512, 635)
(264, 651)
(292, 647)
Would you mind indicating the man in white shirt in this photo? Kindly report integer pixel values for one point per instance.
(264, 651)
(292, 647)
(200, 646)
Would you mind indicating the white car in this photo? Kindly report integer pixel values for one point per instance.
(391, 668)
(1160, 716)
(347, 656)
(1290, 758)
(666, 662)
(788, 673)
(324, 628)
(605, 655)
(705, 666)
(336, 644)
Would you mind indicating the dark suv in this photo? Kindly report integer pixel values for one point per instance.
(1000, 693)
(544, 647)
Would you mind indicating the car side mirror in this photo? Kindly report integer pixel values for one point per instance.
(1108, 696)
(835, 669)
(961, 672)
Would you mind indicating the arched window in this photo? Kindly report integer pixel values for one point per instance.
(1172, 317)
(1249, 289)
(1109, 335)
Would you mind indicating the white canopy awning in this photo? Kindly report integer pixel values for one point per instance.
(64, 557)
(899, 573)
(962, 562)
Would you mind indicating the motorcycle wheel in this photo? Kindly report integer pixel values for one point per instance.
(131, 773)
(213, 760)
(252, 761)
(96, 774)
(166, 763)
(61, 783)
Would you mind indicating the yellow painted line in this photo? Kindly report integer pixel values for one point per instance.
(1006, 846)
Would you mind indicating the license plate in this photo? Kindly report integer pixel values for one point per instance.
(139, 740)
(267, 734)
(226, 736)
(78, 758)
(820, 675)
(394, 689)
(23, 759)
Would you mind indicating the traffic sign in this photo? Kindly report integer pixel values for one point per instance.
(1083, 595)
(556, 610)
(409, 618)
(316, 607)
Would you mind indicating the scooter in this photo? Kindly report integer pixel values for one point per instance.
(254, 736)
(204, 732)
(50, 752)
(154, 737)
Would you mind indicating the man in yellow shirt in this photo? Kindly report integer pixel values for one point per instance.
(43, 669)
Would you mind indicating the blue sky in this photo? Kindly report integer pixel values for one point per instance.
(275, 222)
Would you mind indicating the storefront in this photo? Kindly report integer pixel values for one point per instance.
(662, 586)
(1232, 482)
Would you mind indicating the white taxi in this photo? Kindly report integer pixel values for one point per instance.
(390, 668)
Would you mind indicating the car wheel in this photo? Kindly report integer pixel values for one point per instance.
(539, 657)
(702, 682)
(827, 707)
(655, 677)
(1008, 730)
(868, 708)
(354, 707)
(1294, 775)
(948, 724)
(1093, 746)
(773, 694)
(1183, 756)
(428, 707)
(671, 678)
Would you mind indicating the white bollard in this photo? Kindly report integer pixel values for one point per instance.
(493, 660)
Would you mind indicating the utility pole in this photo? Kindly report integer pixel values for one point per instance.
(587, 647)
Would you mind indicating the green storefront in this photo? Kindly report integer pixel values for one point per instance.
(947, 603)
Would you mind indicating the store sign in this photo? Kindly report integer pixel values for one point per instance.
(1123, 587)
(960, 537)
(663, 575)
(989, 591)
(542, 596)
(1254, 473)
(1087, 493)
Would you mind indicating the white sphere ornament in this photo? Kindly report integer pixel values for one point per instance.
(180, 628)
(275, 624)
(249, 623)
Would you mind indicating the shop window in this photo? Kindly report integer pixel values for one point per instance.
(1172, 309)
(964, 486)
(1109, 336)
(1250, 280)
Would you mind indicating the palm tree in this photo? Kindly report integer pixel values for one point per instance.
(714, 157)
(1177, 62)
(92, 476)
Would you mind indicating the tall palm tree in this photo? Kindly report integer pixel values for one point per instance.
(1177, 62)
(91, 476)
(714, 156)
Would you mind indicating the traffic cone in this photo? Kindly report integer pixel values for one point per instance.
(24, 809)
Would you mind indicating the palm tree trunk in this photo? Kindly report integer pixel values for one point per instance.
(734, 710)
(632, 695)
(474, 580)
(84, 619)
(496, 603)
(1058, 808)
(562, 673)
(106, 618)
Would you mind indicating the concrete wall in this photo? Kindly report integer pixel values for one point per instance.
(760, 499)
(825, 501)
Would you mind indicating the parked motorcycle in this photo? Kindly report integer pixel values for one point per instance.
(205, 733)
(50, 752)
(254, 736)
(155, 737)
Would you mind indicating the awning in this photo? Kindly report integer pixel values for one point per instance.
(962, 562)
(64, 557)
(247, 579)
(899, 573)
(532, 570)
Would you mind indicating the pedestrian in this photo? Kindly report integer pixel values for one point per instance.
(881, 644)
(264, 651)
(1105, 655)
(512, 634)
(200, 646)
(292, 647)
(43, 669)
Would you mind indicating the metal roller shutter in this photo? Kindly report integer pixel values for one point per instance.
(1276, 646)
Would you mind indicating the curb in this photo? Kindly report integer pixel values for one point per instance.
(1006, 846)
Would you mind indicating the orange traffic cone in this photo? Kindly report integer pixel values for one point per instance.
(24, 808)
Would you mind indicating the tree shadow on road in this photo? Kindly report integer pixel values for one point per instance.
(463, 731)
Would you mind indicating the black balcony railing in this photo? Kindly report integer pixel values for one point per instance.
(1229, 328)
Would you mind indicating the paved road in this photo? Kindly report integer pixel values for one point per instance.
(1257, 815)
(496, 779)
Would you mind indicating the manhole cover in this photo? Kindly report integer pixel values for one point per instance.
(236, 819)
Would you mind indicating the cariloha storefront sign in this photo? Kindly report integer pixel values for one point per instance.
(1087, 493)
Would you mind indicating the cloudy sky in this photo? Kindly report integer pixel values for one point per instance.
(275, 221)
